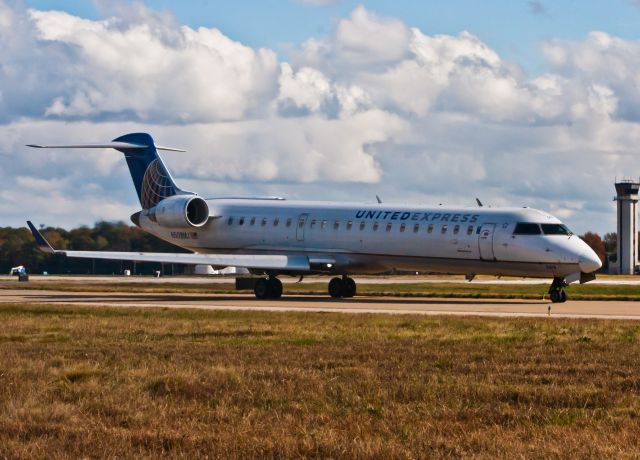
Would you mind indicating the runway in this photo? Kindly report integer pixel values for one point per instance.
(380, 305)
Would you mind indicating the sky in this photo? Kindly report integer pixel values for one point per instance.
(520, 102)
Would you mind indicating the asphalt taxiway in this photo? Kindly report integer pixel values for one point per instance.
(364, 304)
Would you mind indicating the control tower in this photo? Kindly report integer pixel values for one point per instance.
(627, 198)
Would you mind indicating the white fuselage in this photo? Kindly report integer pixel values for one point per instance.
(352, 238)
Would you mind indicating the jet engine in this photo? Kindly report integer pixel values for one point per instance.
(180, 211)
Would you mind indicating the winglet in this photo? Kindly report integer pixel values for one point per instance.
(43, 244)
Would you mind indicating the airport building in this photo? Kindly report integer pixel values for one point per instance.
(627, 247)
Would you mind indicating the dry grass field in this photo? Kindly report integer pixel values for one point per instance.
(123, 383)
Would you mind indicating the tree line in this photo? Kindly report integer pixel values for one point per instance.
(17, 247)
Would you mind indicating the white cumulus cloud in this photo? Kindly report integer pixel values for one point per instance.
(374, 107)
(149, 71)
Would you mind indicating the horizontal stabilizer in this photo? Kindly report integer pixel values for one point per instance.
(258, 261)
(108, 145)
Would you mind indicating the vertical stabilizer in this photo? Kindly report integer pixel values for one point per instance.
(150, 176)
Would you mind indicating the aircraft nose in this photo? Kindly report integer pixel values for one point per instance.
(589, 261)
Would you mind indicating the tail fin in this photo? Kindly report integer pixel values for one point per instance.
(152, 180)
(150, 176)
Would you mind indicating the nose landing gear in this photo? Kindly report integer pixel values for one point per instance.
(556, 290)
(342, 287)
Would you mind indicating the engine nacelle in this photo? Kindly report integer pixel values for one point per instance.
(180, 211)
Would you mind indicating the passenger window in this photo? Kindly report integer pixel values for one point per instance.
(402, 227)
(456, 229)
(470, 230)
(336, 225)
(430, 228)
(324, 224)
(362, 225)
(375, 226)
(276, 221)
(349, 225)
(230, 221)
(313, 223)
(241, 221)
(301, 222)
(416, 228)
(289, 222)
(527, 228)
(389, 226)
(253, 221)
(444, 229)
(264, 221)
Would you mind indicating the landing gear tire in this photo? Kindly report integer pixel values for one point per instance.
(261, 288)
(336, 288)
(556, 291)
(342, 287)
(268, 288)
(558, 296)
(349, 287)
(275, 286)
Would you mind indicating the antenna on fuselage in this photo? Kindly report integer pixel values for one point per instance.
(379, 200)
(479, 202)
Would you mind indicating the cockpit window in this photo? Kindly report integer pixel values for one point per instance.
(527, 228)
(555, 229)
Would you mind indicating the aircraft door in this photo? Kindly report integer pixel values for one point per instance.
(302, 222)
(485, 241)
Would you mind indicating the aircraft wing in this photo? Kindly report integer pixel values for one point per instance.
(299, 263)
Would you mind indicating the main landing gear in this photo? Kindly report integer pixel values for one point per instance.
(342, 287)
(556, 290)
(268, 288)
(271, 288)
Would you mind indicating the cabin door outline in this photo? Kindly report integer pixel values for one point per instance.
(485, 241)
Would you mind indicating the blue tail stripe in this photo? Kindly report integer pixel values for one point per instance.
(149, 174)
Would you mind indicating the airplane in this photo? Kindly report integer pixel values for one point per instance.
(272, 236)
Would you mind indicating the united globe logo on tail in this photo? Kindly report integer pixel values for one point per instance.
(156, 185)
